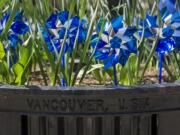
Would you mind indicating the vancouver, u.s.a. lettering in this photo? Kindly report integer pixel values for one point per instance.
(66, 105)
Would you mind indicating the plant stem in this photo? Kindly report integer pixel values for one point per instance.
(149, 57)
(87, 44)
(177, 62)
(168, 70)
(63, 66)
(161, 57)
(61, 53)
(130, 73)
(58, 67)
(140, 48)
(75, 47)
(115, 76)
(92, 55)
(38, 56)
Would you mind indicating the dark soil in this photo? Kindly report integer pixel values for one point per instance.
(151, 77)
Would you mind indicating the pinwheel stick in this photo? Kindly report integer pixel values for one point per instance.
(115, 77)
(63, 65)
(161, 58)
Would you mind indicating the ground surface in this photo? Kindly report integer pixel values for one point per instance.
(151, 77)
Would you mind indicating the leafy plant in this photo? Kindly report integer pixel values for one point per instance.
(68, 40)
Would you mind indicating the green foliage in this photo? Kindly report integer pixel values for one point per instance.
(2, 53)
(35, 51)
(25, 54)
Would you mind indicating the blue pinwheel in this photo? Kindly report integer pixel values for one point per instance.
(168, 31)
(18, 27)
(3, 22)
(114, 47)
(60, 25)
(61, 29)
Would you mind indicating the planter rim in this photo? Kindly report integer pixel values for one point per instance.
(96, 88)
(90, 100)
